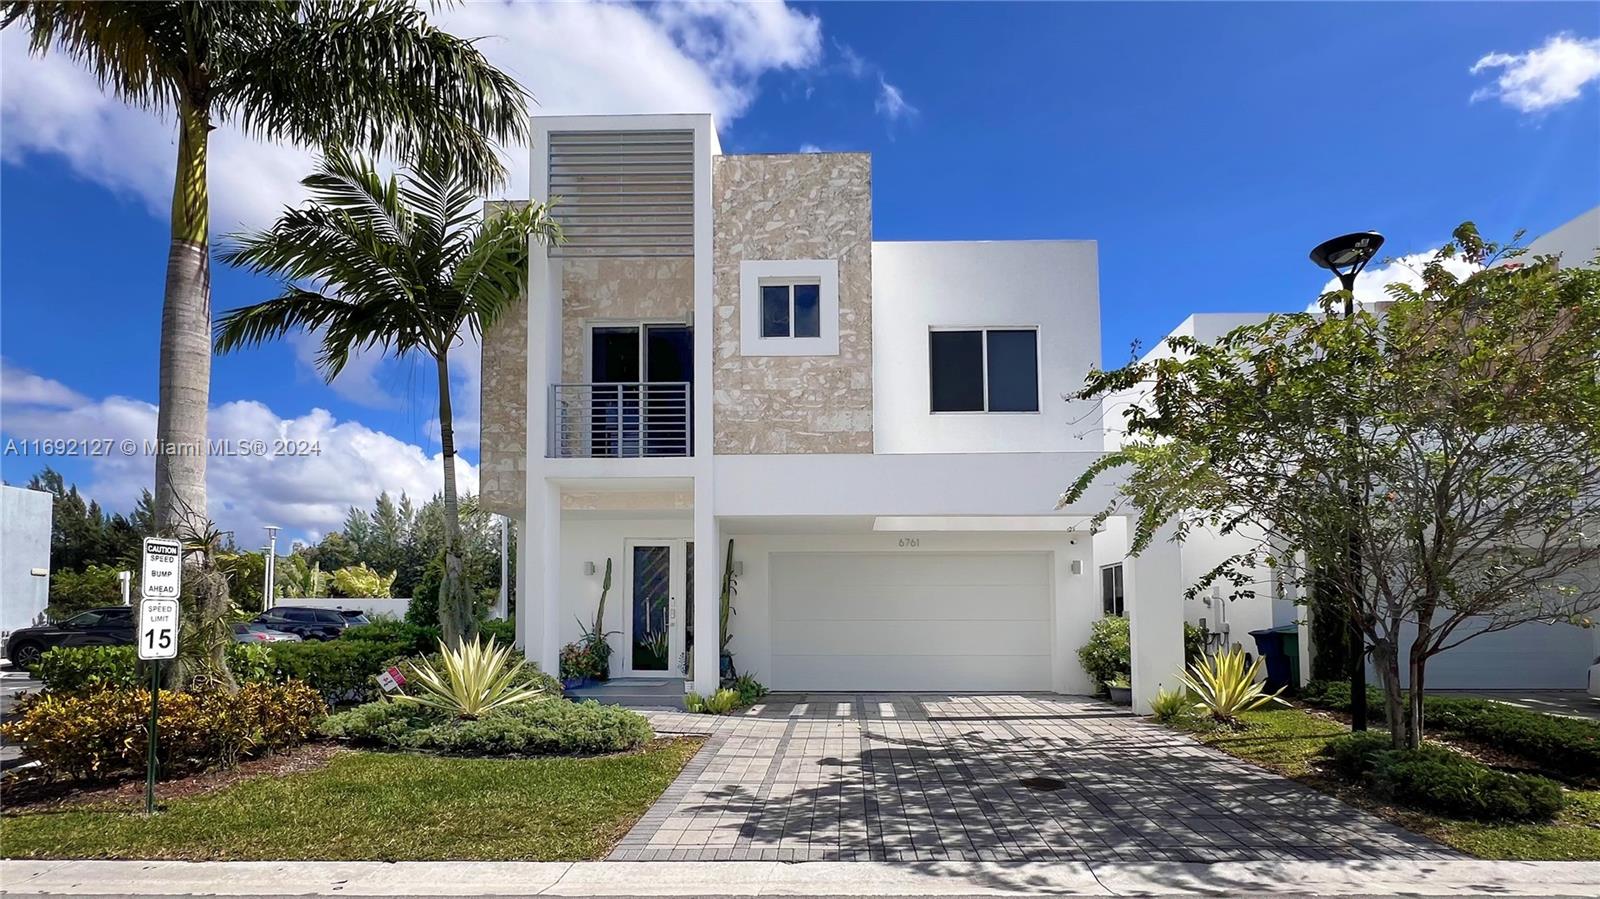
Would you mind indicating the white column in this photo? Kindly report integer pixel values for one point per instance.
(500, 604)
(708, 552)
(1153, 588)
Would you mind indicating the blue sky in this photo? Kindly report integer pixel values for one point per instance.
(1206, 147)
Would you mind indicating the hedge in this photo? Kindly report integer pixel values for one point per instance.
(98, 734)
(1568, 748)
(541, 727)
(1442, 780)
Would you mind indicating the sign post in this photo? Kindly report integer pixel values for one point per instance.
(158, 634)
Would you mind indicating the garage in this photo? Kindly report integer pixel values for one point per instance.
(1527, 657)
(976, 622)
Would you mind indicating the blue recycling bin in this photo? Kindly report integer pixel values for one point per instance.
(1270, 644)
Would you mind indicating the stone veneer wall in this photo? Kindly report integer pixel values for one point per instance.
(794, 206)
(503, 429)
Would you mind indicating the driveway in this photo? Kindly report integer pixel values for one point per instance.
(1039, 777)
(1571, 703)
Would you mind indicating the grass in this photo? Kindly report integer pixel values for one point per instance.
(1288, 741)
(378, 806)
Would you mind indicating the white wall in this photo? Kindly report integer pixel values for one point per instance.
(24, 546)
(1075, 596)
(395, 608)
(1053, 285)
(594, 537)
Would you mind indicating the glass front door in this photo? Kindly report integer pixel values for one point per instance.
(657, 589)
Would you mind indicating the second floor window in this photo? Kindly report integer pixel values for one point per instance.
(983, 370)
(791, 310)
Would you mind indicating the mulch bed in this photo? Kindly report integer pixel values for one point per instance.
(20, 793)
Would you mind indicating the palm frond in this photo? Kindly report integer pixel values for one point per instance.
(374, 76)
(492, 273)
(137, 51)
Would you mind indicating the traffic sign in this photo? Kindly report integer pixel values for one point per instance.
(158, 629)
(163, 568)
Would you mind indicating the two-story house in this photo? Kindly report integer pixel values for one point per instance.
(720, 355)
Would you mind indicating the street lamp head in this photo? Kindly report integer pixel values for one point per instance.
(1347, 254)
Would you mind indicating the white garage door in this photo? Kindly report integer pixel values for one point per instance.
(914, 621)
(1527, 657)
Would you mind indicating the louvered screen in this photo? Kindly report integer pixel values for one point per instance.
(623, 193)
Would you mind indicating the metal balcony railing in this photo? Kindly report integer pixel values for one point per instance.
(623, 420)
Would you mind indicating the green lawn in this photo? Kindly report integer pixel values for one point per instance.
(378, 806)
(1287, 741)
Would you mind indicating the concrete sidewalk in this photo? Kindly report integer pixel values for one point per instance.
(1416, 878)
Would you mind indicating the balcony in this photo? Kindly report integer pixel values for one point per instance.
(620, 420)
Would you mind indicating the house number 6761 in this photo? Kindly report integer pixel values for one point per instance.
(910, 542)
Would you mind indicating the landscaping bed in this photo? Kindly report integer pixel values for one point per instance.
(1293, 741)
(368, 805)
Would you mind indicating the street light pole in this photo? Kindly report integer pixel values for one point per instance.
(267, 593)
(1346, 256)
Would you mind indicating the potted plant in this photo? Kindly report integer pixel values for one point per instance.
(1121, 690)
(579, 666)
(595, 637)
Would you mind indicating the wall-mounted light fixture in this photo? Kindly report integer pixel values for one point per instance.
(738, 568)
(1077, 566)
(588, 569)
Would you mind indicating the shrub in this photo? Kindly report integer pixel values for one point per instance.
(469, 681)
(748, 688)
(1171, 706)
(407, 638)
(424, 607)
(103, 733)
(502, 629)
(72, 592)
(579, 661)
(1565, 747)
(719, 703)
(534, 728)
(1194, 644)
(79, 669)
(1108, 652)
(1224, 687)
(1441, 780)
(343, 671)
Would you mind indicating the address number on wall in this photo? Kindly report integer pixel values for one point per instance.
(910, 542)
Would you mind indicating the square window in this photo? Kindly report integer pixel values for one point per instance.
(807, 310)
(983, 370)
(775, 310)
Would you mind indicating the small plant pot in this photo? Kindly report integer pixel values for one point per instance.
(725, 667)
(1120, 695)
(573, 683)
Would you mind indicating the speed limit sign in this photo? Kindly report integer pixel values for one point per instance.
(158, 629)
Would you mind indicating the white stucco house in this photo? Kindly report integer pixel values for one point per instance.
(720, 351)
(25, 517)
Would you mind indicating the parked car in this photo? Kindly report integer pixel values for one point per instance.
(355, 617)
(110, 626)
(304, 622)
(255, 632)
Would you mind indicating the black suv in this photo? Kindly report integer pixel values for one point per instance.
(110, 626)
(305, 622)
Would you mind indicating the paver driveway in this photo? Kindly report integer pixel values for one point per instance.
(934, 777)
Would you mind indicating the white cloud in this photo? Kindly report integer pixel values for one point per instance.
(24, 388)
(891, 103)
(306, 494)
(810, 148)
(357, 381)
(1371, 285)
(574, 57)
(1542, 79)
(466, 388)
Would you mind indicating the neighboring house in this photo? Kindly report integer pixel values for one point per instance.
(1533, 656)
(721, 351)
(25, 521)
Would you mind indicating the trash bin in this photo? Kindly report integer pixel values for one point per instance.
(1269, 642)
(1289, 636)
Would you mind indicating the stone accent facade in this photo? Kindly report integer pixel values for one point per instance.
(618, 290)
(503, 431)
(794, 206)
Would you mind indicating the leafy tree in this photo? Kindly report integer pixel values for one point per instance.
(404, 265)
(359, 581)
(1475, 460)
(72, 592)
(368, 74)
(247, 574)
(82, 534)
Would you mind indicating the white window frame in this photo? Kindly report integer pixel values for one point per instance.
(1038, 368)
(1117, 575)
(755, 274)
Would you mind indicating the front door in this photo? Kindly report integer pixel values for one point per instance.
(658, 593)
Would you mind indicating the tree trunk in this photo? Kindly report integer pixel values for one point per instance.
(185, 378)
(457, 622)
(1418, 667)
(1386, 660)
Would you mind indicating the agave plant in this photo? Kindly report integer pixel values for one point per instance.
(471, 681)
(1223, 686)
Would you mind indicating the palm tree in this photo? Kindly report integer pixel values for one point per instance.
(403, 265)
(373, 75)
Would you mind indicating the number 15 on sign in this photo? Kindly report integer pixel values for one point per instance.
(158, 629)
